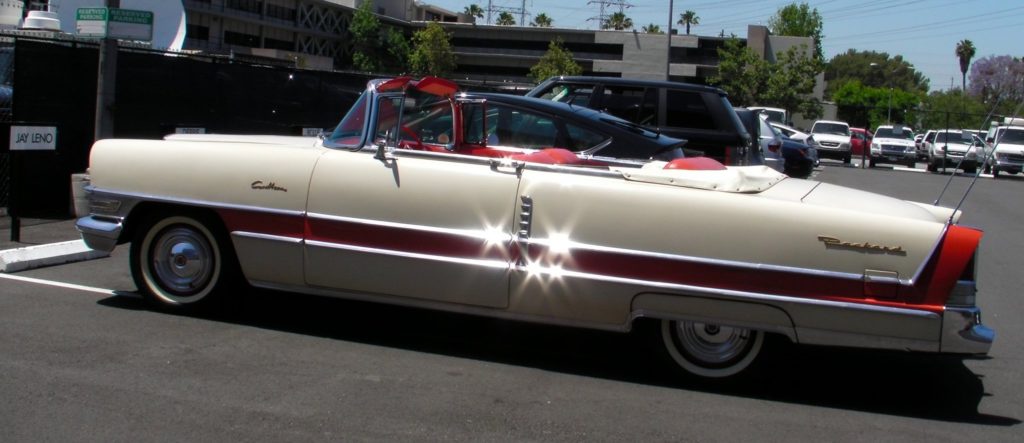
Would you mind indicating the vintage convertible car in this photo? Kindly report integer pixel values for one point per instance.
(410, 201)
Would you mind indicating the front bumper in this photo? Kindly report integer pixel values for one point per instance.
(100, 233)
(963, 332)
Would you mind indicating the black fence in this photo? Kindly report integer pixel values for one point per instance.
(54, 84)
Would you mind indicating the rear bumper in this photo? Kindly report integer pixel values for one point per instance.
(963, 332)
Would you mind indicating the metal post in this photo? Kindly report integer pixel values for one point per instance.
(106, 79)
(668, 54)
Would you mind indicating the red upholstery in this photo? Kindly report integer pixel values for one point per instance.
(695, 164)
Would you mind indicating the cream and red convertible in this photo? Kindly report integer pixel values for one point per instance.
(412, 201)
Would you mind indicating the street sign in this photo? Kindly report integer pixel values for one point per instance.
(33, 138)
(124, 24)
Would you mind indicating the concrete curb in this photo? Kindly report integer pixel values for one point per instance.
(32, 257)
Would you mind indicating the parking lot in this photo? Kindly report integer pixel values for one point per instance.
(85, 359)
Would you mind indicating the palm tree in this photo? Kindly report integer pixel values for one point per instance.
(542, 21)
(965, 51)
(474, 10)
(688, 18)
(652, 29)
(505, 19)
(617, 21)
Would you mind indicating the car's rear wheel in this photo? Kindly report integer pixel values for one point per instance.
(181, 262)
(710, 350)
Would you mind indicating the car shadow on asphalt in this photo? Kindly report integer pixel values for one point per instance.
(886, 382)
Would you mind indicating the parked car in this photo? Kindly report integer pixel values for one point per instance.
(860, 142)
(894, 144)
(1008, 154)
(833, 139)
(407, 202)
(953, 148)
(780, 153)
(774, 115)
(922, 150)
(791, 134)
(701, 115)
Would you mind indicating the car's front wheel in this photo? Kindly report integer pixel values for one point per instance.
(710, 350)
(181, 262)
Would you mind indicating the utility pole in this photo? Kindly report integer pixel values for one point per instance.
(668, 54)
(106, 79)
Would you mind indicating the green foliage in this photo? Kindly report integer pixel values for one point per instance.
(652, 29)
(542, 21)
(365, 31)
(952, 109)
(505, 19)
(875, 69)
(617, 21)
(398, 50)
(740, 72)
(750, 80)
(557, 61)
(474, 10)
(965, 52)
(688, 18)
(868, 106)
(800, 21)
(432, 51)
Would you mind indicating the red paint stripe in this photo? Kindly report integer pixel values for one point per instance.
(263, 222)
(415, 241)
(929, 292)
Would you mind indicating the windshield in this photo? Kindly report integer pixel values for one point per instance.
(953, 137)
(1015, 136)
(774, 116)
(889, 132)
(831, 128)
(349, 132)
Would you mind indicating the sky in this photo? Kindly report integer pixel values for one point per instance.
(924, 32)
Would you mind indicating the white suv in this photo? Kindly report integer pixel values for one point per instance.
(893, 144)
(1009, 149)
(833, 139)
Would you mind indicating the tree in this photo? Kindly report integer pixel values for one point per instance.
(474, 10)
(398, 49)
(688, 18)
(800, 21)
(965, 52)
(652, 29)
(617, 21)
(874, 69)
(952, 109)
(751, 80)
(998, 79)
(432, 51)
(557, 61)
(542, 21)
(505, 19)
(869, 106)
(365, 30)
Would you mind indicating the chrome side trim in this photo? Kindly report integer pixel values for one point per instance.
(755, 296)
(441, 306)
(258, 236)
(495, 236)
(463, 261)
(598, 171)
(201, 203)
(692, 259)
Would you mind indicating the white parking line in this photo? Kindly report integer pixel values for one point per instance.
(61, 284)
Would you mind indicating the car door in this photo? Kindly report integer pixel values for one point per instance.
(407, 221)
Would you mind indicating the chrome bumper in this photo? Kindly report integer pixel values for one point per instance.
(100, 233)
(963, 333)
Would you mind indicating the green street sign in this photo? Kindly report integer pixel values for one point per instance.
(124, 24)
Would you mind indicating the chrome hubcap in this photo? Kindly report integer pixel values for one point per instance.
(182, 260)
(711, 343)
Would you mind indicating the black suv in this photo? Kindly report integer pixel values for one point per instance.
(701, 115)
